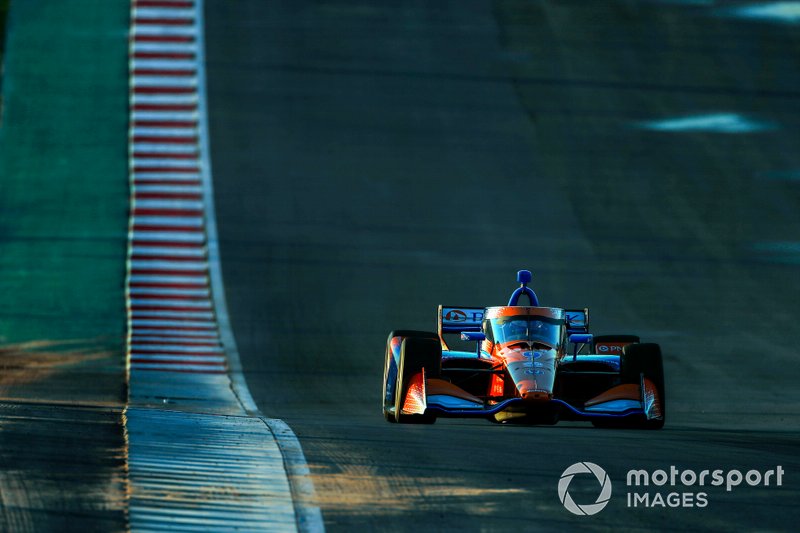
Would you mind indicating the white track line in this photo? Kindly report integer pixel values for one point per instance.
(166, 48)
(167, 280)
(168, 236)
(170, 266)
(197, 251)
(178, 367)
(180, 348)
(165, 148)
(159, 177)
(182, 116)
(164, 99)
(160, 221)
(162, 12)
(164, 64)
(137, 314)
(191, 336)
(178, 324)
(164, 132)
(309, 516)
(165, 31)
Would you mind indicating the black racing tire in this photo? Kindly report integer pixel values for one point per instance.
(645, 359)
(547, 418)
(388, 407)
(416, 353)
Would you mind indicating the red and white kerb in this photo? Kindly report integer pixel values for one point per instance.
(171, 318)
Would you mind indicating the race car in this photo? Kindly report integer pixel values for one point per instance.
(531, 364)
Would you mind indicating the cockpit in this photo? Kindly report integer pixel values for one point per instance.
(524, 328)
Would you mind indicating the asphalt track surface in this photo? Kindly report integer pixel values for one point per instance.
(373, 160)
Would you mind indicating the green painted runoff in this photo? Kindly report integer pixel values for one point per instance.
(63, 172)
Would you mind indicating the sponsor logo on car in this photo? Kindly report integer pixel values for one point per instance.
(456, 315)
(609, 348)
(461, 316)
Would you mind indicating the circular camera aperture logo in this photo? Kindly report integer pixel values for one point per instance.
(584, 468)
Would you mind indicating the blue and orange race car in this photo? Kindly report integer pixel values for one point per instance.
(531, 364)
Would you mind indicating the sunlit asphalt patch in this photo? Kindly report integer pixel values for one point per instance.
(780, 175)
(62, 467)
(710, 123)
(58, 370)
(779, 252)
(693, 3)
(779, 12)
(200, 456)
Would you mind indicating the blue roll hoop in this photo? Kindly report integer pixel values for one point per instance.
(523, 278)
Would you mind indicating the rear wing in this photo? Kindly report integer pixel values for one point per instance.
(577, 320)
(455, 319)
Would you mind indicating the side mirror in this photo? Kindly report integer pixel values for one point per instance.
(577, 320)
(580, 338)
(476, 336)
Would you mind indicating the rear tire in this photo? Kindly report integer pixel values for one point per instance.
(390, 370)
(416, 353)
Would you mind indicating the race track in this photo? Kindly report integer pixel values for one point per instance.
(373, 160)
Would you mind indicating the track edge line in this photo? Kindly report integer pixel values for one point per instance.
(308, 517)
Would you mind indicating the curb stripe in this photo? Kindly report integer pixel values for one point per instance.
(166, 124)
(180, 101)
(151, 339)
(164, 105)
(159, 114)
(172, 315)
(180, 347)
(180, 188)
(143, 72)
(165, 32)
(145, 233)
(177, 247)
(173, 195)
(163, 55)
(163, 3)
(175, 169)
(177, 324)
(166, 64)
(162, 39)
(171, 204)
(193, 251)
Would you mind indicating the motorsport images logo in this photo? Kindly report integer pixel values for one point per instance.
(662, 488)
(584, 468)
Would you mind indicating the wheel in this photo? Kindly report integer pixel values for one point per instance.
(645, 359)
(548, 417)
(416, 353)
(390, 367)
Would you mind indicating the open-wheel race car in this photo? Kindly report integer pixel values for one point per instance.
(532, 364)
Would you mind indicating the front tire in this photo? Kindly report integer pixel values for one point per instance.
(645, 360)
(390, 369)
(416, 353)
